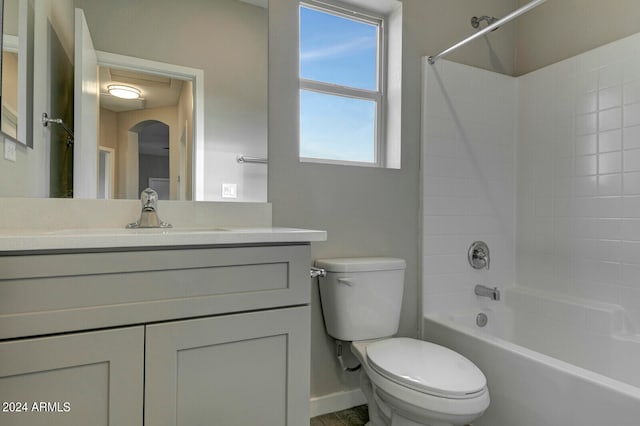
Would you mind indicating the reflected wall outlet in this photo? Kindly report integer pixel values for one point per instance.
(9, 150)
(229, 190)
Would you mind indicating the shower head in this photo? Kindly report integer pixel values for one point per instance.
(475, 21)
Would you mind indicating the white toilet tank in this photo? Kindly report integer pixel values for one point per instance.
(361, 297)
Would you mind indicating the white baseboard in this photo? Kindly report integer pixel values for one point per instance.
(336, 401)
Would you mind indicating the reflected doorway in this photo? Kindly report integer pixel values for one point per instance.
(106, 172)
(152, 135)
(153, 158)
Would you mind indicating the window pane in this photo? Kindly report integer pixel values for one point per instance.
(338, 50)
(336, 127)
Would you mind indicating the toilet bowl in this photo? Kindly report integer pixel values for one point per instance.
(407, 382)
(420, 383)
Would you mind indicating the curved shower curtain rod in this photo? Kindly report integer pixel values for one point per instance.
(524, 9)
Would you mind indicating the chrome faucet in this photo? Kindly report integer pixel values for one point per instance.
(484, 291)
(149, 215)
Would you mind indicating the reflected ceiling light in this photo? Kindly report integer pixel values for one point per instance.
(124, 92)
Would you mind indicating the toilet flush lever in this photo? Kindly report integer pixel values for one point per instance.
(317, 272)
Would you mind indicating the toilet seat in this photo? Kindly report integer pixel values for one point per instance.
(425, 367)
(418, 403)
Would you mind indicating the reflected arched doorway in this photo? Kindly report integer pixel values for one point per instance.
(153, 158)
(148, 152)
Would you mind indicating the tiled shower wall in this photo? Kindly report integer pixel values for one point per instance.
(469, 128)
(569, 135)
(578, 174)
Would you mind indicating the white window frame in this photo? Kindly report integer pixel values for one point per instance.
(378, 96)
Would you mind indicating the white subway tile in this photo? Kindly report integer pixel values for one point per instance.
(610, 75)
(610, 162)
(631, 137)
(631, 269)
(586, 123)
(587, 81)
(630, 256)
(609, 250)
(631, 207)
(609, 229)
(610, 119)
(610, 184)
(631, 183)
(610, 207)
(610, 141)
(609, 98)
(630, 230)
(586, 144)
(632, 115)
(631, 91)
(632, 160)
(585, 186)
(585, 166)
(586, 102)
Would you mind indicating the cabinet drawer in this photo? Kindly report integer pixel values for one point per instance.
(63, 292)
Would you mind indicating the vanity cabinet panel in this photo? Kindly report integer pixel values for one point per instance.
(173, 336)
(49, 293)
(92, 378)
(242, 369)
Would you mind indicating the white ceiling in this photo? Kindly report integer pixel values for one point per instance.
(380, 6)
(259, 3)
(157, 91)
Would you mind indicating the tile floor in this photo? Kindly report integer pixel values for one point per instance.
(356, 416)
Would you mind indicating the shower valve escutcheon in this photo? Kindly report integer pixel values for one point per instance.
(479, 255)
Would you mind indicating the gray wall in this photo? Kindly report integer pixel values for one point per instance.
(558, 30)
(366, 211)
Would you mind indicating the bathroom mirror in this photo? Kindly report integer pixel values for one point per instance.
(225, 40)
(17, 70)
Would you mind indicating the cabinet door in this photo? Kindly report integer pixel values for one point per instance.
(233, 370)
(93, 378)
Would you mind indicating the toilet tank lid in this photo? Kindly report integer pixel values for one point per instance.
(361, 264)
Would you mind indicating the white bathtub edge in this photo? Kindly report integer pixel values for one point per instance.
(553, 363)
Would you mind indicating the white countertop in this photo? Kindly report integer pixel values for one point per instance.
(19, 240)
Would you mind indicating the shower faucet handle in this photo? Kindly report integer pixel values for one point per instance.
(478, 255)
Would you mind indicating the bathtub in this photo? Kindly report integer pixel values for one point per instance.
(549, 361)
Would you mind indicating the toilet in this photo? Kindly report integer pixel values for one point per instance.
(407, 382)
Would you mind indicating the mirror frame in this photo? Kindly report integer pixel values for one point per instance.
(5, 136)
(24, 135)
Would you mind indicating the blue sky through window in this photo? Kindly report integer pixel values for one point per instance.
(336, 127)
(340, 51)
(337, 50)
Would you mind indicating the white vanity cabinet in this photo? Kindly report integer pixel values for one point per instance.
(183, 336)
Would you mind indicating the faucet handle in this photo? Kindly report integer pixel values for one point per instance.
(478, 255)
(149, 199)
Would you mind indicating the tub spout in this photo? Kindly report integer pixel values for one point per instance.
(484, 291)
